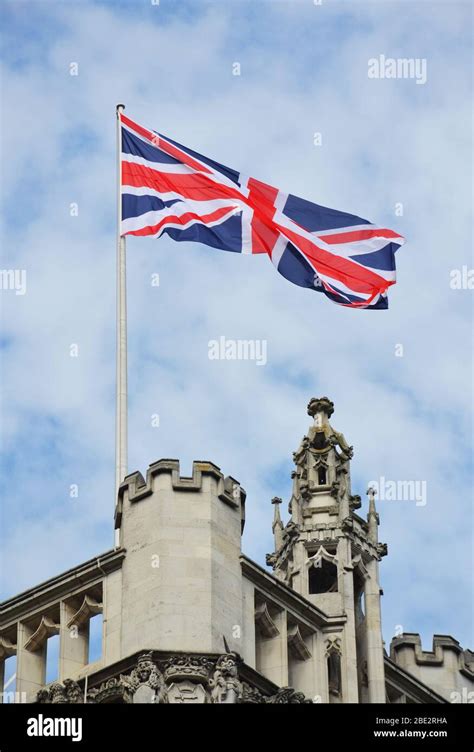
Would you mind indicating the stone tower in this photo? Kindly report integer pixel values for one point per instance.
(330, 555)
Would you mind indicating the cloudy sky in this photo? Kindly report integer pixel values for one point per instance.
(400, 379)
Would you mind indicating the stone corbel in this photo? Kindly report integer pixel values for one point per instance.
(358, 563)
(297, 645)
(88, 608)
(265, 623)
(7, 648)
(47, 627)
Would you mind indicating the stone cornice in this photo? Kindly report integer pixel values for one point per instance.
(63, 585)
(285, 596)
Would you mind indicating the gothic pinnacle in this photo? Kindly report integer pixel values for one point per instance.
(320, 405)
(277, 526)
(372, 516)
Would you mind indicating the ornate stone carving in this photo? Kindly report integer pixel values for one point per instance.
(333, 645)
(187, 692)
(225, 684)
(187, 667)
(145, 683)
(355, 502)
(287, 695)
(184, 679)
(73, 691)
(320, 405)
(57, 693)
(112, 690)
(382, 549)
(251, 695)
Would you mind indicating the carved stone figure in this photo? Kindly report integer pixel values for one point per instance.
(57, 693)
(145, 683)
(225, 685)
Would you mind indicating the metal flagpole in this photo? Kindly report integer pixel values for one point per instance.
(121, 351)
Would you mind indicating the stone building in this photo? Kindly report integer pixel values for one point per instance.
(188, 618)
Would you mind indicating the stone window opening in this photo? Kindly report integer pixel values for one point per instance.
(9, 680)
(359, 597)
(94, 642)
(322, 577)
(320, 440)
(85, 624)
(322, 476)
(334, 674)
(52, 659)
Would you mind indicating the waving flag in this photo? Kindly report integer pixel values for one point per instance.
(168, 188)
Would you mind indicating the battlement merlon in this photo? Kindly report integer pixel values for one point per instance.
(442, 645)
(136, 488)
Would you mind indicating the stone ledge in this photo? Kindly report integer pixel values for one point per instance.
(61, 586)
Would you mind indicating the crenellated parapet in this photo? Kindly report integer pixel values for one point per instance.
(447, 667)
(137, 488)
(444, 647)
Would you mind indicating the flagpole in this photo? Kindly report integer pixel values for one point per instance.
(121, 448)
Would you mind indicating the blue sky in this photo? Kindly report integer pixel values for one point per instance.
(384, 142)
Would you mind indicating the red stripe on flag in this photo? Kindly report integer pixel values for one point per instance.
(195, 185)
(264, 237)
(262, 198)
(149, 135)
(182, 220)
(161, 143)
(355, 235)
(354, 276)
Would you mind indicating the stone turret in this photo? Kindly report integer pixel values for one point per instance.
(181, 579)
(330, 555)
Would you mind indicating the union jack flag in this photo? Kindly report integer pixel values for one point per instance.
(169, 188)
